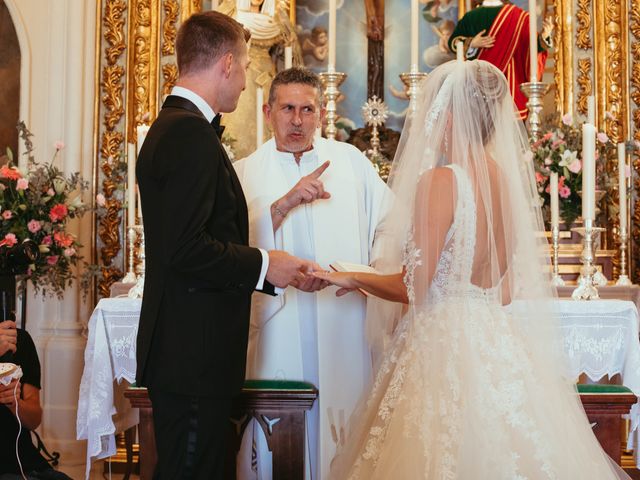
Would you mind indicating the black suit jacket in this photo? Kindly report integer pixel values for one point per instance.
(200, 272)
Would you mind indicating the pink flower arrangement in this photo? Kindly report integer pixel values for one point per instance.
(559, 150)
(36, 204)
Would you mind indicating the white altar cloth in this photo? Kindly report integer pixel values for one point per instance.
(110, 355)
(600, 338)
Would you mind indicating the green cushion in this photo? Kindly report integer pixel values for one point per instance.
(277, 385)
(597, 388)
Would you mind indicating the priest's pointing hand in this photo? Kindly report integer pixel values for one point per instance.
(308, 189)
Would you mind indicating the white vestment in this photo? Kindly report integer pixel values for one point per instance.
(314, 337)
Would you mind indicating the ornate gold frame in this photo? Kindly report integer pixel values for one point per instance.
(604, 63)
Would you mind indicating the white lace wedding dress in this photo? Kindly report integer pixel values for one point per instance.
(460, 393)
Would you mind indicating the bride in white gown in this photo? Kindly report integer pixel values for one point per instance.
(471, 385)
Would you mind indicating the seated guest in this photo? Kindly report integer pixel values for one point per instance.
(16, 346)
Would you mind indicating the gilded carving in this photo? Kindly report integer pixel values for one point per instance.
(143, 61)
(584, 82)
(169, 29)
(170, 75)
(634, 77)
(114, 31)
(583, 17)
(614, 86)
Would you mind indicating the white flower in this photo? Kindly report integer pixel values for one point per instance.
(229, 151)
(568, 157)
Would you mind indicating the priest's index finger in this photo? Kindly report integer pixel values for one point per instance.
(320, 170)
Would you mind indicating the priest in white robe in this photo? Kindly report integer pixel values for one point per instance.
(325, 212)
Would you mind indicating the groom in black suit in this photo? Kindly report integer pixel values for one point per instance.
(200, 272)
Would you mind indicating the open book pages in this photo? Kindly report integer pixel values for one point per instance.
(354, 267)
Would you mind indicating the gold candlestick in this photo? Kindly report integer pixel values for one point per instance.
(535, 92)
(130, 277)
(556, 280)
(331, 82)
(623, 279)
(587, 286)
(137, 290)
(412, 81)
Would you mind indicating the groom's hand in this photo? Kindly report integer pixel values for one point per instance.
(311, 283)
(285, 269)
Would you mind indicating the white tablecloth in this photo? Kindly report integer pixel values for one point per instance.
(600, 338)
(110, 355)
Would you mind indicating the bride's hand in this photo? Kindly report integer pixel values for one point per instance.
(345, 280)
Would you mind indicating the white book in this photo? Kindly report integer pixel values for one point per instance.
(340, 266)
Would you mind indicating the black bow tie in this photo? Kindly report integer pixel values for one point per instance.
(215, 123)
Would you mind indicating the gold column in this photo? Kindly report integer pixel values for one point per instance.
(135, 67)
(634, 80)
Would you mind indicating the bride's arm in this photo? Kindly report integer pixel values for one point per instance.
(435, 205)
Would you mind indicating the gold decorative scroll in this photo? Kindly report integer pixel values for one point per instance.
(583, 17)
(584, 82)
(111, 140)
(634, 80)
(169, 76)
(143, 62)
(169, 29)
(189, 7)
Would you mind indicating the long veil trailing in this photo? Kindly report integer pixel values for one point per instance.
(471, 384)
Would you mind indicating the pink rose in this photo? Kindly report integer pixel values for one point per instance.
(47, 240)
(58, 144)
(58, 212)
(69, 252)
(564, 191)
(9, 240)
(7, 214)
(540, 178)
(567, 119)
(22, 184)
(51, 192)
(547, 136)
(602, 137)
(34, 226)
(100, 200)
(52, 259)
(557, 143)
(575, 166)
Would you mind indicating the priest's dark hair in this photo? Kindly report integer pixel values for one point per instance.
(205, 37)
(297, 75)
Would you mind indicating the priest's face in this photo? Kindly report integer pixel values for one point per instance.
(294, 116)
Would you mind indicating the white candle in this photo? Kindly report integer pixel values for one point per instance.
(591, 110)
(533, 41)
(415, 38)
(259, 117)
(588, 172)
(622, 184)
(553, 193)
(288, 57)
(459, 51)
(332, 36)
(139, 206)
(131, 184)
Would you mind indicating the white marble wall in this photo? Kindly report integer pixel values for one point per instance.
(57, 42)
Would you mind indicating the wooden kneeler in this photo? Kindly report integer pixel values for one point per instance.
(605, 405)
(279, 406)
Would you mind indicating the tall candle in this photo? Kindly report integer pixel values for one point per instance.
(553, 193)
(622, 184)
(139, 206)
(288, 57)
(131, 184)
(332, 36)
(141, 134)
(588, 171)
(533, 41)
(414, 34)
(459, 51)
(259, 117)
(591, 110)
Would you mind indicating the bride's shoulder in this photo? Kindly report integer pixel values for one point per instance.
(437, 180)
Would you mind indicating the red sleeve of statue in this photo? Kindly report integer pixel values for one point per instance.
(510, 52)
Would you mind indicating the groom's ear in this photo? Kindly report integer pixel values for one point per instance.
(323, 114)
